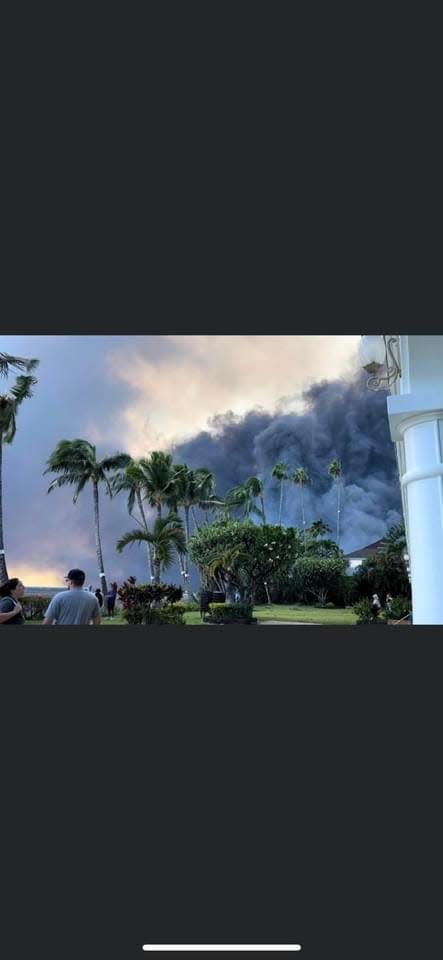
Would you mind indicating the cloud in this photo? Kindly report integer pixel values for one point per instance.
(176, 392)
(232, 397)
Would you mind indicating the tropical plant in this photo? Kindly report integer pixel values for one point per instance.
(363, 609)
(335, 471)
(17, 363)
(255, 489)
(189, 489)
(280, 472)
(384, 572)
(159, 479)
(230, 612)
(318, 529)
(75, 462)
(132, 481)
(394, 544)
(240, 555)
(244, 496)
(398, 608)
(151, 604)
(301, 477)
(167, 539)
(9, 404)
(320, 578)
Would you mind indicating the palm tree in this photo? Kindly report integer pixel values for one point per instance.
(335, 471)
(190, 489)
(131, 480)
(166, 538)
(280, 472)
(158, 479)
(395, 541)
(9, 404)
(255, 488)
(318, 528)
(244, 496)
(300, 477)
(76, 463)
(207, 496)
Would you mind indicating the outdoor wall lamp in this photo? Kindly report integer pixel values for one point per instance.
(378, 358)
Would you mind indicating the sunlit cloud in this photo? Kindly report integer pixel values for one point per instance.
(175, 393)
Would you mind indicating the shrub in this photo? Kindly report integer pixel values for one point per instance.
(172, 614)
(382, 573)
(34, 606)
(147, 603)
(319, 579)
(225, 612)
(398, 608)
(363, 609)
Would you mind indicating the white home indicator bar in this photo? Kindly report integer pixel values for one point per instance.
(286, 947)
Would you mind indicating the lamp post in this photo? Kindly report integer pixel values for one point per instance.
(410, 368)
(377, 356)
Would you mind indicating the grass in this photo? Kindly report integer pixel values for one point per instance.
(334, 616)
(284, 612)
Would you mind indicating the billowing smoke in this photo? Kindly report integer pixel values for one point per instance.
(340, 420)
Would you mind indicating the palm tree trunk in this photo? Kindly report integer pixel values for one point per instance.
(263, 508)
(303, 516)
(185, 557)
(194, 519)
(3, 570)
(157, 567)
(101, 572)
(338, 512)
(281, 502)
(145, 524)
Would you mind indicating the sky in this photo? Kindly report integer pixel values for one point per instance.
(191, 394)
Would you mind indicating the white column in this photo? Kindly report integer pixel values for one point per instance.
(417, 426)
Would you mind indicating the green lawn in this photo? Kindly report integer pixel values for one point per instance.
(337, 616)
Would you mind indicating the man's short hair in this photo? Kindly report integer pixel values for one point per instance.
(77, 576)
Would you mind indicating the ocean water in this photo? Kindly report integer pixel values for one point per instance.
(42, 591)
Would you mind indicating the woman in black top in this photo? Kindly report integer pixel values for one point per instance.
(11, 611)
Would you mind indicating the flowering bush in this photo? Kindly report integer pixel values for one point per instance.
(151, 603)
(240, 555)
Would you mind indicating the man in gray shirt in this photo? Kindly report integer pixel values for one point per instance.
(74, 605)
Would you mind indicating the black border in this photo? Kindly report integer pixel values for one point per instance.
(258, 317)
(222, 785)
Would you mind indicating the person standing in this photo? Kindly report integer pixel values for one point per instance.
(99, 596)
(375, 606)
(111, 598)
(74, 605)
(11, 610)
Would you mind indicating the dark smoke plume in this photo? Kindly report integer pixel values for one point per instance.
(341, 419)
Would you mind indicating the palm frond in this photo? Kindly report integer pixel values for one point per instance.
(17, 363)
(81, 483)
(22, 388)
(133, 536)
(116, 462)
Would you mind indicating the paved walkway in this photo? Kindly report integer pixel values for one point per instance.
(286, 623)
